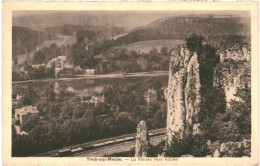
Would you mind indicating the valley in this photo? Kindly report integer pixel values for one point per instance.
(82, 77)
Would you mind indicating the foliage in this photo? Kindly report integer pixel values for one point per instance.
(24, 40)
(194, 43)
(130, 153)
(194, 145)
(241, 111)
(29, 96)
(125, 123)
(65, 120)
(155, 150)
(30, 123)
(212, 102)
(16, 76)
(38, 57)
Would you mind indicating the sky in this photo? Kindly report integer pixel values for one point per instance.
(127, 19)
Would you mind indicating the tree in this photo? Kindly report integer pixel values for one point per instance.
(208, 60)
(29, 96)
(23, 145)
(213, 101)
(193, 145)
(106, 127)
(152, 109)
(164, 51)
(16, 76)
(30, 123)
(124, 122)
(50, 94)
(194, 42)
(38, 57)
(159, 118)
(15, 60)
(241, 111)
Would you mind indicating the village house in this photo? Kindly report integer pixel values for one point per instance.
(24, 113)
(18, 96)
(39, 65)
(90, 72)
(56, 87)
(150, 96)
(57, 62)
(15, 101)
(68, 65)
(97, 99)
(57, 70)
(23, 71)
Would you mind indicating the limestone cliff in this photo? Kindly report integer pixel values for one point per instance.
(232, 75)
(237, 53)
(183, 94)
(142, 140)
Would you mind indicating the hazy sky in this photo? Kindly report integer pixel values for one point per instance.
(127, 19)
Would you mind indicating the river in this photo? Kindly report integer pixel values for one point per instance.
(87, 85)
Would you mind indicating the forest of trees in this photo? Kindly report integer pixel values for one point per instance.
(66, 120)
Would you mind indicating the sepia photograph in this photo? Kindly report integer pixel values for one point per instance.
(139, 84)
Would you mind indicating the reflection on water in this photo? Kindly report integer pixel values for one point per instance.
(88, 86)
(87, 91)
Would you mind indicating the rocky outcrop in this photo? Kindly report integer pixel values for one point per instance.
(231, 76)
(142, 140)
(231, 149)
(192, 95)
(183, 96)
(236, 53)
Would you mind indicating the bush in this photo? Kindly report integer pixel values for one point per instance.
(193, 145)
(194, 42)
(130, 153)
(154, 150)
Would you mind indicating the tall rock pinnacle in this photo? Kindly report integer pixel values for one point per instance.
(142, 140)
(183, 95)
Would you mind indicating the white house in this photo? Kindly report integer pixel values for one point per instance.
(24, 113)
(90, 72)
(150, 96)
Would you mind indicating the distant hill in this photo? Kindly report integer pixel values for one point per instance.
(128, 19)
(184, 26)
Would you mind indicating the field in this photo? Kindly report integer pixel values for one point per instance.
(147, 46)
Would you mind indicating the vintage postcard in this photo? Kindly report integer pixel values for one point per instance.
(130, 83)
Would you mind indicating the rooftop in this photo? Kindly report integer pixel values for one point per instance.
(151, 91)
(27, 110)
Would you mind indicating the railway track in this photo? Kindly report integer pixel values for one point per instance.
(71, 150)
